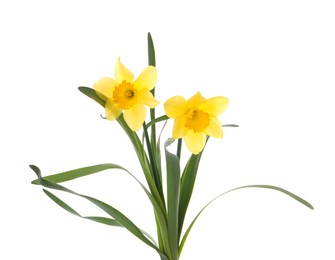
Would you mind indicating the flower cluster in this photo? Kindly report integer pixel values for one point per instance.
(194, 119)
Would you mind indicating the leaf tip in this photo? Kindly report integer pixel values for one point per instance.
(36, 182)
(310, 206)
(35, 169)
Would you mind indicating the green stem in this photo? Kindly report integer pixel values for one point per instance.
(144, 161)
(153, 164)
(179, 148)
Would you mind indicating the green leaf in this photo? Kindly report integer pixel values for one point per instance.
(103, 220)
(153, 163)
(85, 171)
(151, 51)
(117, 215)
(186, 187)
(230, 125)
(61, 203)
(152, 144)
(307, 204)
(299, 199)
(106, 221)
(158, 151)
(78, 173)
(91, 93)
(173, 190)
(156, 120)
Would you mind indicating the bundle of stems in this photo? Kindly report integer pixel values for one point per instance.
(170, 207)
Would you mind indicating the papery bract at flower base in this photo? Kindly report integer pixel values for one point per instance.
(128, 95)
(195, 118)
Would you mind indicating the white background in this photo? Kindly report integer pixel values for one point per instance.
(274, 60)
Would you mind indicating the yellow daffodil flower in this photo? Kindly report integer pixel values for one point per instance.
(128, 94)
(195, 118)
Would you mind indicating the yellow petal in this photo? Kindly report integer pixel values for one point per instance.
(196, 100)
(104, 87)
(146, 98)
(215, 105)
(122, 73)
(112, 110)
(175, 106)
(179, 129)
(147, 79)
(195, 142)
(135, 117)
(214, 128)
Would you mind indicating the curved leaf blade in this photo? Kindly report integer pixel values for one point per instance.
(78, 173)
(85, 171)
(157, 120)
(230, 125)
(117, 215)
(186, 187)
(299, 199)
(173, 191)
(292, 195)
(91, 93)
(61, 203)
(102, 220)
(151, 51)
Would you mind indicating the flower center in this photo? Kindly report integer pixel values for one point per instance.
(125, 95)
(197, 120)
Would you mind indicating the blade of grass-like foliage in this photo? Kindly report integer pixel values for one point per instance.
(85, 171)
(102, 220)
(173, 184)
(61, 203)
(152, 62)
(78, 173)
(91, 93)
(158, 151)
(230, 125)
(304, 202)
(186, 188)
(153, 163)
(114, 213)
(151, 51)
(157, 120)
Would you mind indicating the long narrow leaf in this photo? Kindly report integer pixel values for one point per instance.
(61, 203)
(230, 125)
(153, 163)
(173, 190)
(152, 62)
(117, 215)
(151, 51)
(91, 93)
(157, 120)
(299, 199)
(158, 152)
(102, 220)
(78, 173)
(186, 188)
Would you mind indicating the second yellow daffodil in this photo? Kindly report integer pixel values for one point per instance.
(128, 95)
(195, 118)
